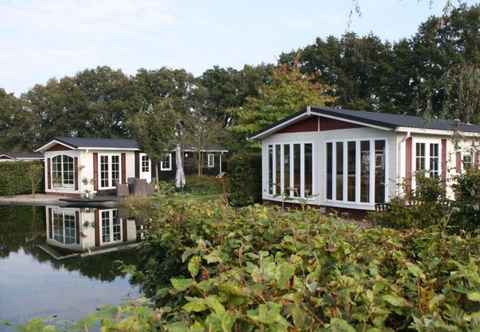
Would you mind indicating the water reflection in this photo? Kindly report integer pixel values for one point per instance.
(88, 231)
(34, 283)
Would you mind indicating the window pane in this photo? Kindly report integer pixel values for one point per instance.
(270, 170)
(115, 169)
(277, 169)
(58, 227)
(467, 161)
(352, 153)
(286, 167)
(420, 157)
(117, 235)
(70, 232)
(339, 172)
(380, 171)
(329, 170)
(57, 171)
(296, 169)
(105, 226)
(434, 160)
(67, 170)
(104, 171)
(365, 171)
(145, 164)
(308, 170)
(165, 164)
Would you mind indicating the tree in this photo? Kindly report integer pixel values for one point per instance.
(289, 91)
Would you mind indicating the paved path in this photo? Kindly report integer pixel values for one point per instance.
(38, 199)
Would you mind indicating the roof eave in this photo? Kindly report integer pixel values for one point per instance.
(439, 132)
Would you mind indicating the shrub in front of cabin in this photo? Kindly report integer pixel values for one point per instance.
(245, 179)
(466, 214)
(21, 177)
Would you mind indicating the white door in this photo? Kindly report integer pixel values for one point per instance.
(145, 167)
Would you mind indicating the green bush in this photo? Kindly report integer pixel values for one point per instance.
(16, 177)
(245, 179)
(424, 207)
(467, 201)
(203, 185)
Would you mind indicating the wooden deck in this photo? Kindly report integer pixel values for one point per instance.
(43, 199)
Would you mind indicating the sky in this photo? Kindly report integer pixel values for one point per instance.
(41, 39)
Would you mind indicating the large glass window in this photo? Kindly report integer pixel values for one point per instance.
(434, 160)
(365, 171)
(296, 169)
(115, 170)
(104, 181)
(270, 169)
(117, 235)
(308, 154)
(351, 154)
(339, 177)
(329, 171)
(467, 162)
(58, 227)
(145, 163)
(70, 231)
(105, 226)
(380, 171)
(286, 168)
(420, 157)
(166, 162)
(62, 171)
(277, 168)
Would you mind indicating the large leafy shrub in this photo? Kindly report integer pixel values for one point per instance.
(18, 177)
(424, 207)
(467, 201)
(245, 179)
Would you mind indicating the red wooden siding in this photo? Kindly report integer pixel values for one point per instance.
(95, 171)
(49, 173)
(477, 159)
(75, 170)
(459, 162)
(316, 123)
(310, 124)
(50, 223)
(124, 168)
(331, 124)
(444, 160)
(137, 164)
(77, 225)
(408, 164)
(97, 228)
(58, 147)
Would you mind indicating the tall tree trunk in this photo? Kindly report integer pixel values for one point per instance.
(180, 175)
(199, 163)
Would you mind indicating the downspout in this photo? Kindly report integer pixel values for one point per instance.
(399, 153)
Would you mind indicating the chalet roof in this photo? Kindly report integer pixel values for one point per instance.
(386, 121)
(22, 155)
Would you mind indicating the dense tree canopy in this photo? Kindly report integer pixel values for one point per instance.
(435, 72)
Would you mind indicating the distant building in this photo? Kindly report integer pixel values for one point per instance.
(20, 156)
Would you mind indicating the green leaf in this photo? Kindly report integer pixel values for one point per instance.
(340, 325)
(194, 266)
(396, 301)
(195, 304)
(415, 270)
(474, 296)
(181, 284)
(177, 327)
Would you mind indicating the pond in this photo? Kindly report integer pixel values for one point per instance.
(63, 262)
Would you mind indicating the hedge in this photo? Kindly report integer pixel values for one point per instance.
(16, 177)
(245, 179)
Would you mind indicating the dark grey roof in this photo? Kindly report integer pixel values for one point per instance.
(119, 143)
(211, 147)
(23, 155)
(397, 120)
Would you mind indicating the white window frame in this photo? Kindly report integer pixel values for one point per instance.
(210, 160)
(357, 203)
(427, 142)
(62, 172)
(312, 197)
(162, 166)
(110, 170)
(63, 213)
(145, 162)
(110, 226)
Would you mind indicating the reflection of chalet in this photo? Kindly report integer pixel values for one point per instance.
(82, 229)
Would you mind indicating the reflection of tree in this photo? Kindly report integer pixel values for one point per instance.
(23, 227)
(104, 267)
(20, 227)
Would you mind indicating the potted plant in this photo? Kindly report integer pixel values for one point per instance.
(88, 194)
